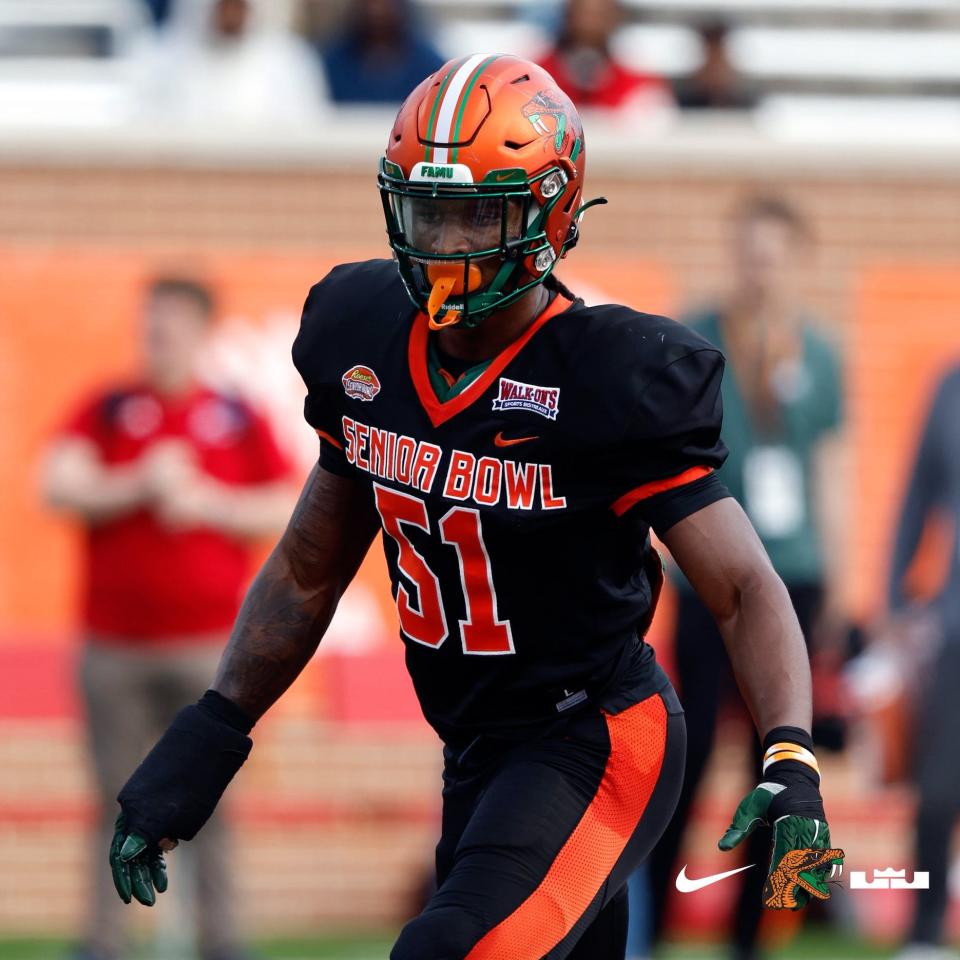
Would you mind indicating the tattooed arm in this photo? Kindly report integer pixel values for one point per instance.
(285, 614)
(292, 600)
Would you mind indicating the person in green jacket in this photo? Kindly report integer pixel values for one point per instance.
(783, 408)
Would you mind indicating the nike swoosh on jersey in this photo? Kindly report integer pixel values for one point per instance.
(686, 885)
(501, 441)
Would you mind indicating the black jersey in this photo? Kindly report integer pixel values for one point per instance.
(516, 514)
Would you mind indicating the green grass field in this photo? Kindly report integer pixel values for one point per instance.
(809, 946)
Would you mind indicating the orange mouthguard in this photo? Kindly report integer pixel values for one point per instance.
(447, 279)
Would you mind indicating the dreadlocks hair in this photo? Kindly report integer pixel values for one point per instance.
(555, 285)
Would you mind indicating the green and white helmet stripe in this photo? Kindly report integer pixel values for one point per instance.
(437, 100)
(445, 118)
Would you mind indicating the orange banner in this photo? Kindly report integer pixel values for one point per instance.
(905, 334)
(69, 325)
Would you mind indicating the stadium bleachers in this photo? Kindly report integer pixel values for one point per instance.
(67, 62)
(830, 46)
(822, 49)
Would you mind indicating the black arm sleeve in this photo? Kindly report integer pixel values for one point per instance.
(181, 780)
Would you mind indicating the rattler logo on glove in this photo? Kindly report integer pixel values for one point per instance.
(800, 870)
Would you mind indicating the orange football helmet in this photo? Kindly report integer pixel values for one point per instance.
(489, 151)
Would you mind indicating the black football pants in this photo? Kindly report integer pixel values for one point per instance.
(539, 837)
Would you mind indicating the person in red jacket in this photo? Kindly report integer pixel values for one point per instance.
(170, 479)
(583, 65)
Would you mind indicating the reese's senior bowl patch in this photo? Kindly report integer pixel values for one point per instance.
(361, 383)
(515, 395)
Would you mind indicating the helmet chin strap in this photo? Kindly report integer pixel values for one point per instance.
(447, 279)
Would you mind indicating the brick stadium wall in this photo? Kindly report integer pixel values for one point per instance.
(318, 851)
(334, 826)
(670, 214)
(678, 219)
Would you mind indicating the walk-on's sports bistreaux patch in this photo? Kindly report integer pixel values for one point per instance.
(515, 395)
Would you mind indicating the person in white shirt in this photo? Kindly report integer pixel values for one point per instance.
(229, 62)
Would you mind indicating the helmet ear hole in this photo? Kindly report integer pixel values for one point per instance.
(569, 168)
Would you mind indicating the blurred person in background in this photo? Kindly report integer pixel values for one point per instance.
(583, 64)
(933, 494)
(160, 10)
(782, 409)
(230, 62)
(170, 480)
(716, 84)
(380, 55)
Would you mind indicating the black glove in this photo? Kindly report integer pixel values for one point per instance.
(173, 792)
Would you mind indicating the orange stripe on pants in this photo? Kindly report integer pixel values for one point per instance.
(638, 738)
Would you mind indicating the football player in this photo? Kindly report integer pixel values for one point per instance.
(514, 448)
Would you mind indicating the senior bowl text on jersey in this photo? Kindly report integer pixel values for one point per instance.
(534, 554)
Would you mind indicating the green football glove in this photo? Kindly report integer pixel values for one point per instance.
(139, 870)
(789, 801)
